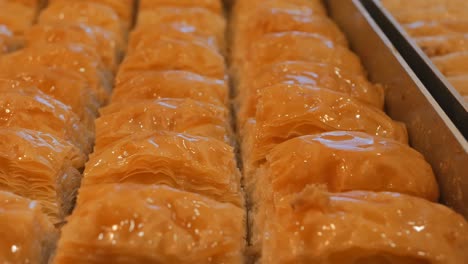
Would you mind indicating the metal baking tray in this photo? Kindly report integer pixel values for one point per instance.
(431, 131)
(445, 94)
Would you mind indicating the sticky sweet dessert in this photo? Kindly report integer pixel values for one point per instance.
(435, 27)
(27, 235)
(244, 9)
(120, 120)
(440, 28)
(73, 58)
(141, 38)
(329, 177)
(123, 8)
(200, 19)
(171, 54)
(84, 12)
(301, 46)
(269, 18)
(422, 4)
(339, 161)
(427, 10)
(362, 227)
(198, 164)
(143, 85)
(151, 224)
(29, 108)
(319, 75)
(41, 167)
(75, 34)
(452, 64)
(345, 161)
(57, 83)
(443, 44)
(212, 5)
(288, 111)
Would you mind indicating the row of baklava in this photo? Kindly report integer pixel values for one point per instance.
(330, 177)
(162, 185)
(50, 91)
(440, 28)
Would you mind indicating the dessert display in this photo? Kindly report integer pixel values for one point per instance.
(329, 177)
(440, 28)
(51, 87)
(162, 184)
(181, 131)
